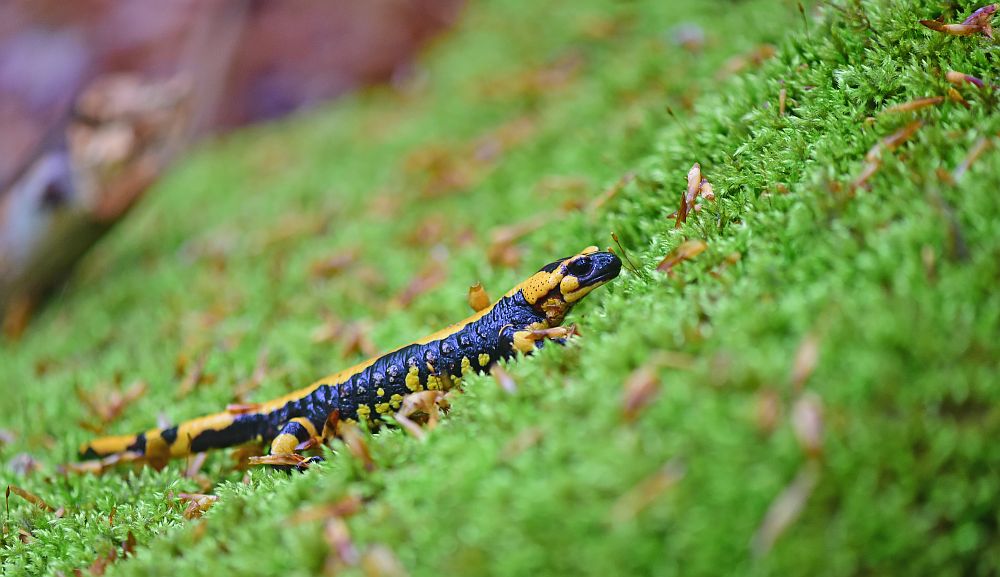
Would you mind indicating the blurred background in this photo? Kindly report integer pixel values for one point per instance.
(266, 58)
(98, 97)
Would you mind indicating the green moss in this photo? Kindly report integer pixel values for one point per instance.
(540, 108)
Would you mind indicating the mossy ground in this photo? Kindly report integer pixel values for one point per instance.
(517, 114)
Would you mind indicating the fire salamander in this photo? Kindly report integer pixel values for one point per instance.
(517, 323)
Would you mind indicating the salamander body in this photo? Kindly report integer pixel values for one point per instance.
(518, 322)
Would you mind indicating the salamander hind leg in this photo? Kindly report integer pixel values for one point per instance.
(296, 435)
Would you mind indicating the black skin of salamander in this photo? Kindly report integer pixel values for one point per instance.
(491, 335)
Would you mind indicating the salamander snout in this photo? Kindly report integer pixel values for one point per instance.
(594, 268)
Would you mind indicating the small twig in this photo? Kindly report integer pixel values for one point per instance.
(625, 256)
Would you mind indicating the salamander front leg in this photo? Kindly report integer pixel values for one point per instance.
(526, 341)
(296, 435)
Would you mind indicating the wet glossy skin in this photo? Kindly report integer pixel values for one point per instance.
(517, 322)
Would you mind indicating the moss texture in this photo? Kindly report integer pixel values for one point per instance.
(521, 116)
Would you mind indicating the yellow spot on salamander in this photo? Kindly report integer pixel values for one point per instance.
(433, 382)
(413, 380)
(524, 342)
(484, 359)
(540, 284)
(396, 401)
(466, 365)
(284, 444)
(382, 408)
(364, 411)
(380, 392)
(569, 284)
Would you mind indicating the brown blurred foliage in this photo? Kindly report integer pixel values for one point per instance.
(268, 57)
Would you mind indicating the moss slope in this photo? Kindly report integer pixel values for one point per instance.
(540, 109)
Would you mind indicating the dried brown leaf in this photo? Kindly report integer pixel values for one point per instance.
(194, 465)
(807, 421)
(352, 336)
(342, 553)
(768, 410)
(356, 340)
(913, 105)
(195, 376)
(960, 78)
(197, 504)
(523, 441)
(430, 231)
(611, 192)
(689, 196)
(754, 58)
(983, 17)
(329, 331)
(29, 497)
(332, 266)
(503, 378)
(128, 547)
(641, 387)
(356, 442)
(346, 507)
(805, 360)
(955, 96)
(981, 146)
(707, 192)
(686, 251)
(107, 404)
(426, 403)
(894, 140)
(294, 226)
(100, 565)
(242, 408)
(511, 233)
(646, 492)
(433, 274)
(256, 378)
(411, 427)
(504, 255)
(873, 159)
(868, 170)
(785, 509)
(379, 561)
(952, 29)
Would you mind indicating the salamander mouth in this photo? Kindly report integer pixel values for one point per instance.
(603, 277)
(610, 270)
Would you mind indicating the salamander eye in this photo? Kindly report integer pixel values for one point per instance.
(579, 267)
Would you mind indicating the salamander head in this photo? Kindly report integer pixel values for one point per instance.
(559, 285)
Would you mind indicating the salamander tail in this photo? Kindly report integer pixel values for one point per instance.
(107, 446)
